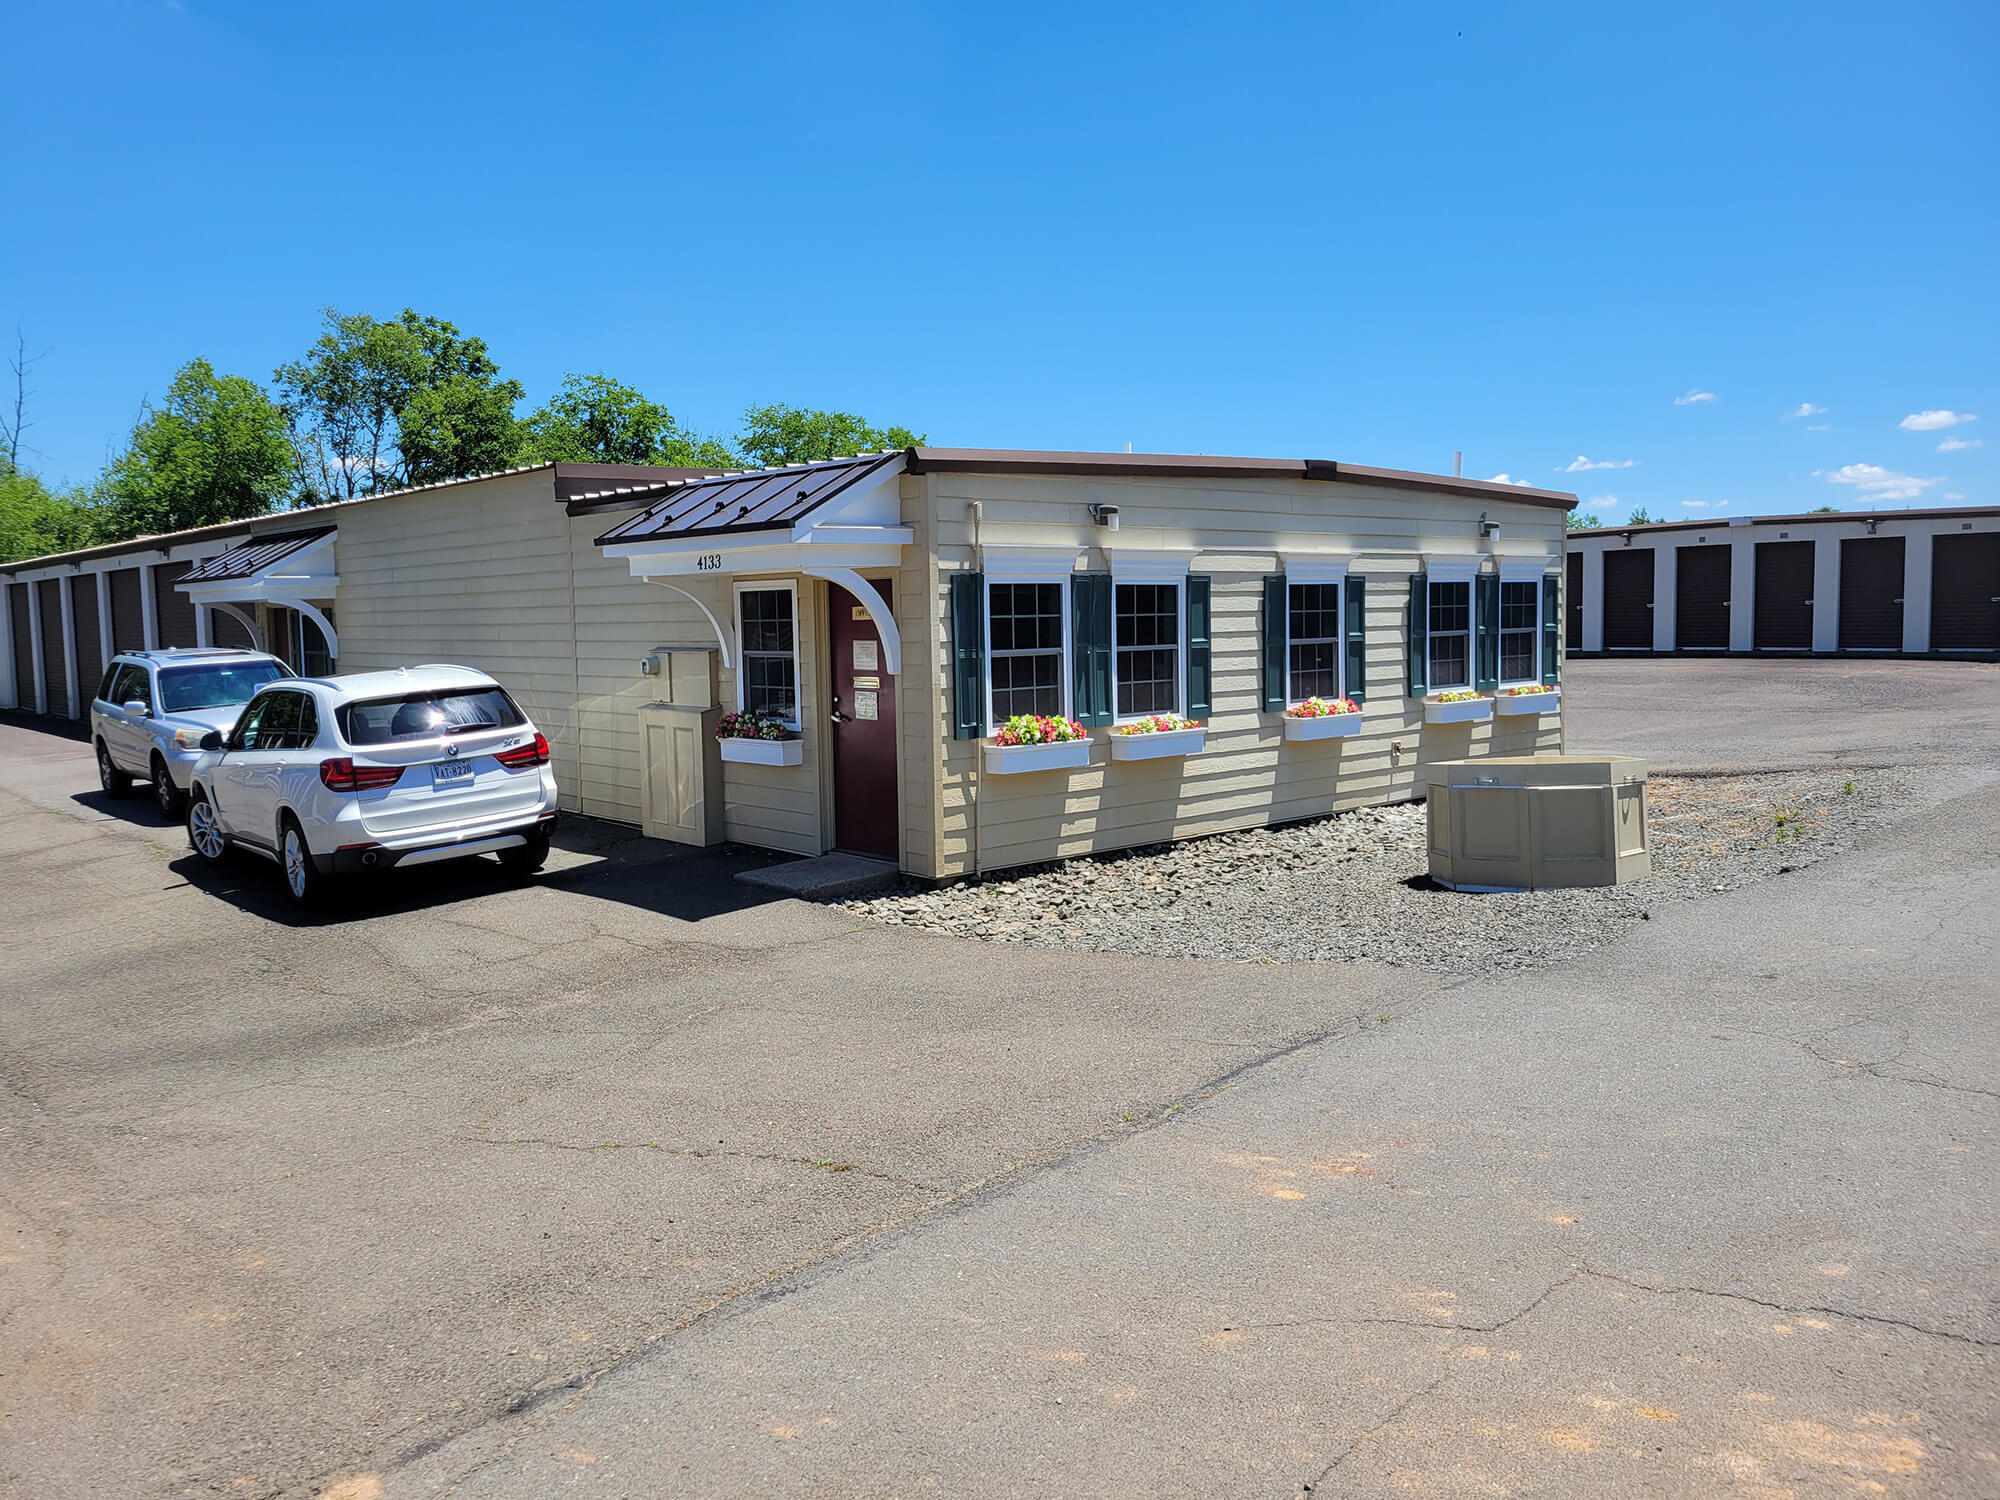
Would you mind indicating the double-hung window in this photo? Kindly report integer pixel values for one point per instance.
(1450, 631)
(1520, 631)
(1025, 659)
(1314, 641)
(767, 634)
(1146, 654)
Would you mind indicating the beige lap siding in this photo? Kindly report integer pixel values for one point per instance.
(1248, 775)
(476, 575)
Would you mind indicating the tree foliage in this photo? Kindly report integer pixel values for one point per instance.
(594, 419)
(216, 449)
(380, 405)
(35, 520)
(1639, 517)
(1583, 520)
(774, 435)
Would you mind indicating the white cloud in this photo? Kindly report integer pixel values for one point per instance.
(1580, 464)
(1805, 409)
(1694, 505)
(1873, 482)
(1695, 396)
(1931, 421)
(1820, 427)
(1953, 495)
(1509, 479)
(1603, 500)
(1959, 445)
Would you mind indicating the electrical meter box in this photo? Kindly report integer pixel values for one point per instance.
(1540, 822)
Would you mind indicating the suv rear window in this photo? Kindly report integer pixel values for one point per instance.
(427, 716)
(221, 686)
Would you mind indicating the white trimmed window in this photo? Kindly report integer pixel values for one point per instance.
(767, 643)
(1450, 635)
(1314, 641)
(1520, 630)
(1027, 649)
(1146, 648)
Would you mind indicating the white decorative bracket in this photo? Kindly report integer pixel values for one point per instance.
(870, 599)
(721, 635)
(248, 622)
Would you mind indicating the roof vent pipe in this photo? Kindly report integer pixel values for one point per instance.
(1458, 463)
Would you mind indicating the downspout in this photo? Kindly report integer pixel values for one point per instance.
(975, 784)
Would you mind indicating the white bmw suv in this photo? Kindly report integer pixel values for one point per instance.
(336, 775)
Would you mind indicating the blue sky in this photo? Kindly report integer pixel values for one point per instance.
(1635, 236)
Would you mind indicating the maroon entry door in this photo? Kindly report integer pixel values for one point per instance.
(863, 729)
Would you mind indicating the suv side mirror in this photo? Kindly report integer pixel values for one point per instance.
(212, 740)
(136, 707)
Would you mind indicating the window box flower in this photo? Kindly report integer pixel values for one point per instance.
(1323, 719)
(1029, 742)
(1526, 700)
(1461, 707)
(753, 740)
(1158, 737)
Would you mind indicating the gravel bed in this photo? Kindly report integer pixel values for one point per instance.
(1352, 887)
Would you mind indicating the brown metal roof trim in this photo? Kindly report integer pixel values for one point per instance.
(1104, 465)
(575, 481)
(761, 500)
(1723, 523)
(1408, 479)
(252, 557)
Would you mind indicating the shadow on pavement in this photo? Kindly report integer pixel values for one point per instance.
(594, 859)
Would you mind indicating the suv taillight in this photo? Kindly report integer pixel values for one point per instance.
(342, 775)
(523, 756)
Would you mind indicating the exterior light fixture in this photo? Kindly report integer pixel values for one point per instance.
(1105, 516)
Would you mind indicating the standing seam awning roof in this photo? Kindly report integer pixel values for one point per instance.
(759, 501)
(253, 557)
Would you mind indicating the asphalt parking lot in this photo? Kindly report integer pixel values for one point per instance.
(631, 1181)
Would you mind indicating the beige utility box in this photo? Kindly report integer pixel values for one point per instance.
(1537, 822)
(680, 759)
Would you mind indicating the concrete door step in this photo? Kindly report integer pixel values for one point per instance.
(825, 878)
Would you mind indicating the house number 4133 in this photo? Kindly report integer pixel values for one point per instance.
(708, 562)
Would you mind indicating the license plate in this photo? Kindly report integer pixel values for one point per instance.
(450, 772)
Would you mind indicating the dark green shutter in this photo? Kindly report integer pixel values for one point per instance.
(1090, 648)
(1486, 631)
(1355, 678)
(1275, 638)
(1419, 658)
(1551, 626)
(968, 655)
(1199, 649)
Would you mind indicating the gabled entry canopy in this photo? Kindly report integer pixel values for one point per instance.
(825, 520)
(288, 568)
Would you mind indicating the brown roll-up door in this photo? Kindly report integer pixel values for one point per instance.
(174, 609)
(1871, 593)
(55, 669)
(24, 645)
(1628, 599)
(1783, 616)
(1701, 598)
(128, 611)
(90, 654)
(1965, 592)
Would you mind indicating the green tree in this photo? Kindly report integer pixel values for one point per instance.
(1638, 517)
(775, 435)
(35, 521)
(1583, 520)
(380, 405)
(597, 420)
(1824, 510)
(216, 449)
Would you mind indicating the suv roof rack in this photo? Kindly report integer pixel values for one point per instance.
(157, 652)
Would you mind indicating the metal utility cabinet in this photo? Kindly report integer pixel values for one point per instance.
(1541, 822)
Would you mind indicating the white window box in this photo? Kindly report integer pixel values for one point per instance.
(763, 752)
(1325, 727)
(1012, 760)
(1528, 703)
(1158, 746)
(1464, 711)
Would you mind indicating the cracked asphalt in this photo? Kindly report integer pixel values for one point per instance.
(623, 1184)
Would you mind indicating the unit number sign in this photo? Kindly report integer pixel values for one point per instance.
(708, 562)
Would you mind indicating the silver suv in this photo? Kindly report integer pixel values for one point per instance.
(153, 707)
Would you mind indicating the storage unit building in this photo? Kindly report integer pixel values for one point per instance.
(1900, 582)
(895, 609)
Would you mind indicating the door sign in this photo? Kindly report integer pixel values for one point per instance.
(866, 658)
(864, 704)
